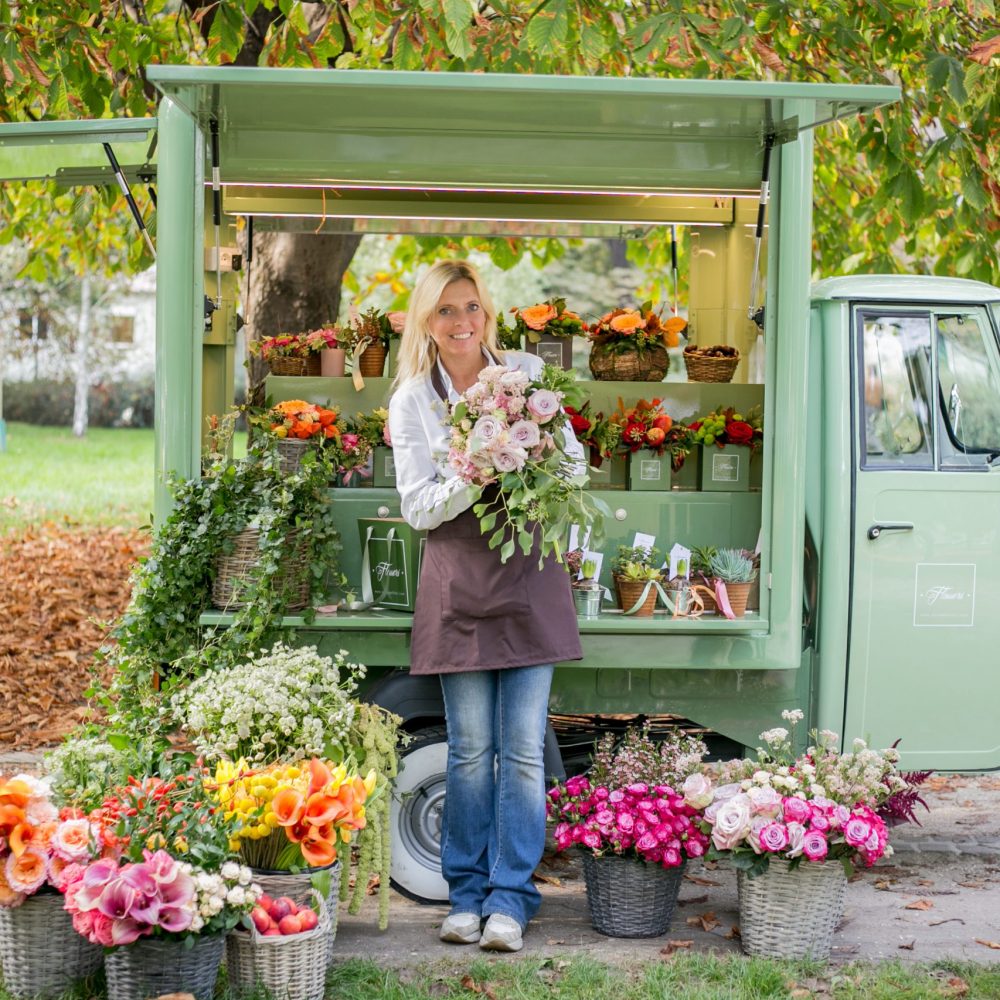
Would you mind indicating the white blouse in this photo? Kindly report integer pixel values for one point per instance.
(430, 490)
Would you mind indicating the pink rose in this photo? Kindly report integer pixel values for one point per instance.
(766, 801)
(795, 810)
(774, 837)
(796, 833)
(592, 839)
(524, 433)
(814, 845)
(857, 831)
(697, 791)
(732, 823)
(487, 429)
(509, 459)
(757, 824)
(647, 842)
(543, 405)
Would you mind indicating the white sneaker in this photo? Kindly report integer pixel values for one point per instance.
(461, 928)
(502, 933)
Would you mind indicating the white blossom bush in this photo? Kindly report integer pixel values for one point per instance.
(283, 704)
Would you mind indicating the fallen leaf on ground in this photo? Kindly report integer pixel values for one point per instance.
(989, 944)
(692, 900)
(884, 884)
(955, 987)
(908, 946)
(373, 884)
(950, 920)
(671, 946)
(554, 941)
(698, 880)
(919, 904)
(925, 881)
(971, 885)
(733, 932)
(706, 921)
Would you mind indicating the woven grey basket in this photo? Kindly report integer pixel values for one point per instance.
(630, 898)
(792, 913)
(151, 967)
(292, 967)
(233, 568)
(35, 933)
(290, 452)
(298, 887)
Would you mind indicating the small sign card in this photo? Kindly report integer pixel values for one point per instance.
(680, 563)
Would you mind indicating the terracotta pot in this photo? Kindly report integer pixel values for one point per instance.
(738, 594)
(629, 591)
(332, 361)
(372, 361)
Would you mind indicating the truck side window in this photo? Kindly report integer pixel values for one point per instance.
(895, 366)
(969, 383)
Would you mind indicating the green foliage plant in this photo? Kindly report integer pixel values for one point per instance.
(637, 563)
(732, 566)
(159, 640)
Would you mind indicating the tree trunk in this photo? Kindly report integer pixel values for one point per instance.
(82, 368)
(292, 285)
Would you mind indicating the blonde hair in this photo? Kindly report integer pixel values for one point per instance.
(417, 351)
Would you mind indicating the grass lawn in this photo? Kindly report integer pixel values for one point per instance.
(104, 478)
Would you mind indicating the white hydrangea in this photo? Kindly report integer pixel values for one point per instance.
(793, 715)
(282, 703)
(230, 870)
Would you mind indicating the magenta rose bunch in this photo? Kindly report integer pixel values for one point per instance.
(650, 822)
(508, 431)
(818, 805)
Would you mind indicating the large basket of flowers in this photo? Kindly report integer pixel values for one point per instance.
(290, 353)
(41, 850)
(792, 846)
(630, 345)
(635, 830)
(299, 427)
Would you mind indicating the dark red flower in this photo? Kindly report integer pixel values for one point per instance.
(579, 423)
(635, 433)
(739, 432)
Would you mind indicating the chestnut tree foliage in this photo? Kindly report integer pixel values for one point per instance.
(912, 187)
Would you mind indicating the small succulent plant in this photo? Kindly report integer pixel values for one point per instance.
(732, 566)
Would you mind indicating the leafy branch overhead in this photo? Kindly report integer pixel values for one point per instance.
(915, 187)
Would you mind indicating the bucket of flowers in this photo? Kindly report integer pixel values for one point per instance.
(331, 343)
(299, 428)
(727, 440)
(630, 345)
(42, 849)
(290, 353)
(655, 442)
(794, 826)
(635, 829)
(354, 456)
(167, 892)
(601, 437)
(548, 329)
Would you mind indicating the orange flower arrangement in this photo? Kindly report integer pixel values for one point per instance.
(637, 328)
(550, 318)
(646, 425)
(295, 418)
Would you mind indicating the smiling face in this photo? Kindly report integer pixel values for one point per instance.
(457, 325)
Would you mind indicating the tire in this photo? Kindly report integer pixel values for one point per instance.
(416, 816)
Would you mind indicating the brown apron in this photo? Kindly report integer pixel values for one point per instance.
(473, 612)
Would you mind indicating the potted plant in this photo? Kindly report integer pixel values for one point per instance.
(733, 574)
(587, 592)
(372, 332)
(630, 345)
(636, 572)
(601, 437)
(289, 353)
(636, 825)
(794, 826)
(41, 849)
(331, 344)
(298, 427)
(655, 443)
(548, 329)
(374, 429)
(166, 893)
(701, 574)
(727, 439)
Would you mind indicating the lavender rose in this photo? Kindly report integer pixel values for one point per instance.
(774, 837)
(814, 845)
(487, 430)
(543, 405)
(698, 791)
(524, 433)
(732, 823)
(509, 459)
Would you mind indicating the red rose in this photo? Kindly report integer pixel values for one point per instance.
(739, 432)
(695, 426)
(579, 423)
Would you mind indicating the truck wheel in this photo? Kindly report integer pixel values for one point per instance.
(417, 813)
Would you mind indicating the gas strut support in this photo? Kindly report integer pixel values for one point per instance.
(753, 312)
(216, 209)
(673, 261)
(130, 201)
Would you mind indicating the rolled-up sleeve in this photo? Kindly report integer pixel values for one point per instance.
(426, 500)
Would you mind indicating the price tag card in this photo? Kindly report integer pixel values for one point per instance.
(644, 541)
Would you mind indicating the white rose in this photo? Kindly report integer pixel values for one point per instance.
(236, 896)
(230, 870)
(698, 791)
(732, 822)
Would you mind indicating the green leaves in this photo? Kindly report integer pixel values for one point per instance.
(457, 16)
(547, 30)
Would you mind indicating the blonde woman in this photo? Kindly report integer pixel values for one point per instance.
(491, 631)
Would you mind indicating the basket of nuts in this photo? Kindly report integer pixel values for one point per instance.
(711, 364)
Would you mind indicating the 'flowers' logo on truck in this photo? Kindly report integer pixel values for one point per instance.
(945, 595)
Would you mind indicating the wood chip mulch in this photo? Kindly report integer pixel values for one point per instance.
(58, 588)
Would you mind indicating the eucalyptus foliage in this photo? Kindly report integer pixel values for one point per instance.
(160, 644)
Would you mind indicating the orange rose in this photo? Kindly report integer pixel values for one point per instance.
(626, 322)
(538, 317)
(27, 872)
(672, 330)
(8, 897)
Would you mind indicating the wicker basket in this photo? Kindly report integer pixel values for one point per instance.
(372, 360)
(40, 952)
(629, 591)
(290, 452)
(232, 569)
(310, 365)
(298, 887)
(709, 369)
(630, 898)
(792, 913)
(151, 967)
(738, 594)
(292, 967)
(649, 365)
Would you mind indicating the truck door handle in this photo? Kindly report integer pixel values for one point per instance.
(876, 529)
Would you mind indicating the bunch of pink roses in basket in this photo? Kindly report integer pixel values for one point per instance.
(819, 805)
(509, 430)
(650, 822)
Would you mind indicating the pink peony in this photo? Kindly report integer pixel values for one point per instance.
(543, 405)
(774, 837)
(814, 845)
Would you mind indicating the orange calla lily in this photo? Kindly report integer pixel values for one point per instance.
(321, 808)
(298, 832)
(20, 837)
(318, 852)
(319, 775)
(287, 805)
(15, 793)
(10, 816)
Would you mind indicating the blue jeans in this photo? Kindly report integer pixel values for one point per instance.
(494, 812)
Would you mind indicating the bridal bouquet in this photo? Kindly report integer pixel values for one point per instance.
(509, 431)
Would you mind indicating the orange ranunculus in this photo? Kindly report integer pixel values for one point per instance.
(319, 775)
(8, 896)
(627, 322)
(538, 317)
(287, 805)
(27, 872)
(317, 851)
(290, 406)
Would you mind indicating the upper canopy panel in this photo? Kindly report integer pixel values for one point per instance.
(373, 128)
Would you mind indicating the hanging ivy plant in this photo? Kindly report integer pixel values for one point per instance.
(160, 643)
